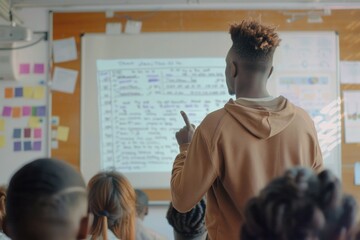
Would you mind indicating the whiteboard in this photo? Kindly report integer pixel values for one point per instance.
(133, 87)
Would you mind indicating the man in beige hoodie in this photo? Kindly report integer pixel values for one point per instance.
(238, 149)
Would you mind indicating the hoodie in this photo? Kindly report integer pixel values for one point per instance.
(235, 152)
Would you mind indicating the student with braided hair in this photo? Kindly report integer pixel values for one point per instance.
(239, 148)
(112, 202)
(300, 205)
(190, 225)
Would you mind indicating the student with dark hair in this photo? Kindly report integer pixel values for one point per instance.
(238, 149)
(300, 205)
(112, 202)
(47, 200)
(190, 225)
(142, 210)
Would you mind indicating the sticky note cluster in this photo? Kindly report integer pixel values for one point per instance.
(37, 92)
(23, 111)
(27, 139)
(27, 68)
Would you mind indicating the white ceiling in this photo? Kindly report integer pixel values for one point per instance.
(188, 4)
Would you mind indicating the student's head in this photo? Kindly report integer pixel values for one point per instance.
(190, 225)
(47, 200)
(112, 202)
(2, 205)
(142, 204)
(249, 60)
(301, 206)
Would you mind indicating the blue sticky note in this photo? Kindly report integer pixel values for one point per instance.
(19, 92)
(27, 146)
(17, 146)
(41, 111)
(17, 133)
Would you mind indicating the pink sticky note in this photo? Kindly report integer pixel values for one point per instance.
(37, 133)
(7, 111)
(26, 111)
(39, 68)
(24, 68)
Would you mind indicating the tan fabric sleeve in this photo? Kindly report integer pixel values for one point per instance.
(192, 175)
(318, 163)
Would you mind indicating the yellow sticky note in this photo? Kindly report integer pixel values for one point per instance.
(28, 92)
(39, 92)
(62, 133)
(2, 141)
(34, 122)
(2, 124)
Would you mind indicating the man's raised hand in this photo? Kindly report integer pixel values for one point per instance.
(185, 134)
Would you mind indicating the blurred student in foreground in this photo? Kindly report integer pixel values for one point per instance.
(190, 225)
(112, 202)
(47, 200)
(300, 205)
(2, 212)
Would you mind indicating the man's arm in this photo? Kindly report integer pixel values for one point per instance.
(193, 171)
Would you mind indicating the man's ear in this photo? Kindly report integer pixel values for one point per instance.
(271, 70)
(233, 69)
(85, 226)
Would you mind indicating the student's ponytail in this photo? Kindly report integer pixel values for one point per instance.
(104, 228)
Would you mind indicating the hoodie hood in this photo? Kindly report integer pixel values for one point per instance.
(263, 119)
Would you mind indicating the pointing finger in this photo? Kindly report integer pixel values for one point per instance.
(186, 119)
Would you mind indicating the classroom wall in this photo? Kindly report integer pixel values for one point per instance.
(345, 22)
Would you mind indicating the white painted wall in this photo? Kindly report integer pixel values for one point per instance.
(156, 220)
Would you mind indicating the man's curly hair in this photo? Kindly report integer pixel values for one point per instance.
(254, 41)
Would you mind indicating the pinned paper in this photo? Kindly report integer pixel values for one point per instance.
(19, 92)
(2, 124)
(27, 146)
(37, 146)
(24, 68)
(7, 111)
(17, 133)
(17, 146)
(54, 133)
(16, 112)
(39, 68)
(113, 28)
(27, 133)
(9, 93)
(63, 133)
(64, 50)
(28, 92)
(26, 111)
(54, 144)
(39, 92)
(64, 80)
(2, 141)
(34, 122)
(37, 133)
(55, 120)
